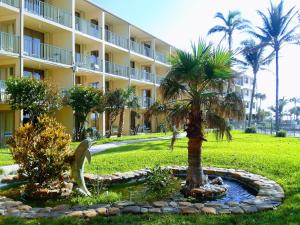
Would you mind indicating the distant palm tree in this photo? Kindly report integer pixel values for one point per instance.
(281, 105)
(261, 98)
(231, 23)
(198, 77)
(277, 29)
(296, 112)
(253, 56)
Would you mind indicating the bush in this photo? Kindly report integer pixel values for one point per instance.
(250, 130)
(42, 151)
(281, 133)
(161, 183)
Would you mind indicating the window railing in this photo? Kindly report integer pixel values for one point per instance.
(146, 102)
(142, 75)
(116, 39)
(87, 27)
(36, 49)
(162, 58)
(14, 3)
(3, 96)
(90, 62)
(9, 42)
(116, 69)
(49, 12)
(141, 49)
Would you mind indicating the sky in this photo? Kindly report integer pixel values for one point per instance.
(180, 22)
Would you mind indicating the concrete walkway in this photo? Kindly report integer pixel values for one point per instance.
(12, 169)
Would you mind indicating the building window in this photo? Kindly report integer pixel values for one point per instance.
(33, 73)
(246, 80)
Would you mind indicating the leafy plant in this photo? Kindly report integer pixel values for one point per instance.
(103, 198)
(250, 130)
(42, 151)
(84, 100)
(33, 96)
(161, 183)
(281, 133)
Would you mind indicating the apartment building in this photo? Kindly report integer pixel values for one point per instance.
(244, 85)
(76, 42)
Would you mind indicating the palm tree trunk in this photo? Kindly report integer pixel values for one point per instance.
(277, 122)
(121, 122)
(252, 98)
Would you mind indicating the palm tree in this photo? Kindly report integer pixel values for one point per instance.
(253, 56)
(130, 101)
(231, 23)
(296, 112)
(261, 97)
(281, 105)
(277, 29)
(198, 77)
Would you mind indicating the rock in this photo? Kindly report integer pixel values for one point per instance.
(209, 210)
(160, 204)
(102, 211)
(208, 192)
(237, 210)
(199, 206)
(25, 208)
(90, 213)
(154, 210)
(77, 214)
(132, 209)
(13, 210)
(123, 204)
(173, 204)
(10, 204)
(265, 206)
(169, 210)
(188, 210)
(61, 208)
(113, 211)
(224, 211)
(45, 210)
(217, 181)
(144, 210)
(249, 209)
(184, 204)
(232, 204)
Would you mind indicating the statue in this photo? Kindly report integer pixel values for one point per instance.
(77, 165)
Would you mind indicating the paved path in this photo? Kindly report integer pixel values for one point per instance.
(12, 169)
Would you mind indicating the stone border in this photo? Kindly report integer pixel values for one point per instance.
(269, 196)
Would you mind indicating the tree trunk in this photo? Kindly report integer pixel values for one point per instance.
(121, 122)
(277, 118)
(252, 98)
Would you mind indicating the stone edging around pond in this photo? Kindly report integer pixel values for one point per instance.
(269, 196)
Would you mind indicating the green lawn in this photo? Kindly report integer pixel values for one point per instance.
(276, 158)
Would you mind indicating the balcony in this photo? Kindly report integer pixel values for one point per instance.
(142, 75)
(49, 12)
(87, 27)
(116, 69)
(34, 48)
(116, 39)
(3, 95)
(89, 62)
(14, 3)
(146, 102)
(9, 43)
(141, 49)
(161, 58)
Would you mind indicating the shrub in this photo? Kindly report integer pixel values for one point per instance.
(161, 183)
(281, 133)
(250, 130)
(42, 151)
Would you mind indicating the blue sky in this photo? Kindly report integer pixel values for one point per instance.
(181, 21)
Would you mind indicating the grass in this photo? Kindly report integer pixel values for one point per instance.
(275, 158)
(5, 157)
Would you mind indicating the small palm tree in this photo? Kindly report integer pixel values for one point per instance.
(198, 77)
(231, 23)
(261, 97)
(130, 101)
(253, 56)
(281, 105)
(277, 30)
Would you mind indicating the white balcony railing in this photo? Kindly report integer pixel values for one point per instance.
(116, 69)
(14, 3)
(142, 75)
(116, 39)
(161, 57)
(9, 42)
(87, 27)
(146, 102)
(34, 48)
(141, 49)
(49, 12)
(90, 62)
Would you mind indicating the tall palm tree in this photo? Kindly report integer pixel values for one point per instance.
(198, 77)
(130, 101)
(230, 24)
(277, 29)
(253, 56)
